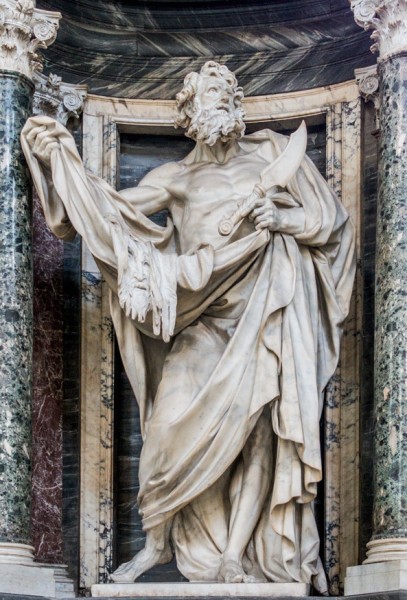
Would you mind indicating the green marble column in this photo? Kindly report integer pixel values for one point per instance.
(16, 93)
(24, 30)
(388, 545)
(390, 504)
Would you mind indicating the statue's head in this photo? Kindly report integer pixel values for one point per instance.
(210, 105)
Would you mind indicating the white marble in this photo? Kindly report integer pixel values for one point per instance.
(19, 574)
(200, 590)
(57, 99)
(24, 30)
(389, 576)
(27, 580)
(274, 340)
(388, 21)
(342, 394)
(19, 554)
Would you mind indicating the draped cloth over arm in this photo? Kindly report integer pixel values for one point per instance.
(266, 309)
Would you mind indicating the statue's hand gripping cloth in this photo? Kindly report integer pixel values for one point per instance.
(265, 312)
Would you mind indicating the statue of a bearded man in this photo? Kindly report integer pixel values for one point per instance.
(243, 330)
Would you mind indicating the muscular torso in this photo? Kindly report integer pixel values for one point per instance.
(198, 193)
(205, 192)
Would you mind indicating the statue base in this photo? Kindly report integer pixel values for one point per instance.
(199, 590)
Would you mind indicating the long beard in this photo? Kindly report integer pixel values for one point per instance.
(209, 125)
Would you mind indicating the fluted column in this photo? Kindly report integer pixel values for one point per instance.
(24, 30)
(388, 547)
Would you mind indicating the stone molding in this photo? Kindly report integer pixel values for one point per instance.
(388, 19)
(19, 554)
(24, 30)
(367, 80)
(387, 549)
(57, 99)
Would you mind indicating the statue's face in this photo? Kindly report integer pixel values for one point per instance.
(215, 93)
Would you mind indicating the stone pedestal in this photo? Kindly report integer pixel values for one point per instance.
(200, 590)
(384, 568)
(376, 578)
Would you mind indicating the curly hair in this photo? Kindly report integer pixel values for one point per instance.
(185, 99)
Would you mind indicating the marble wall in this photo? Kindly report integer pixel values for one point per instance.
(144, 50)
(138, 155)
(370, 157)
(56, 381)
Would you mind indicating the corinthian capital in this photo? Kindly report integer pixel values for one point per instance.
(24, 30)
(388, 19)
(57, 99)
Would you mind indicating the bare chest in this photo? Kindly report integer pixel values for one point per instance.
(205, 181)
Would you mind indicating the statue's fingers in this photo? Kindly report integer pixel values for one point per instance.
(265, 220)
(32, 135)
(257, 202)
(46, 146)
(257, 211)
(258, 221)
(44, 134)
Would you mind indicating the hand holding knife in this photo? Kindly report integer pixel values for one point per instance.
(279, 173)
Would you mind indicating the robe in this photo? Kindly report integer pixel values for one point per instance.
(251, 329)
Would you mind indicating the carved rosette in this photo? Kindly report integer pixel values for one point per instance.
(368, 83)
(388, 19)
(24, 30)
(57, 99)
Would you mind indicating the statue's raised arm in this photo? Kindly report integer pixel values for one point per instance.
(230, 412)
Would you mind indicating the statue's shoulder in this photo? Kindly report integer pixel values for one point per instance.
(267, 142)
(159, 175)
(266, 135)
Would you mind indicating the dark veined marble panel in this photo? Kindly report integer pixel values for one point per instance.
(138, 155)
(370, 158)
(71, 394)
(46, 509)
(145, 49)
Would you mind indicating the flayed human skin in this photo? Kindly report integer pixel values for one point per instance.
(210, 105)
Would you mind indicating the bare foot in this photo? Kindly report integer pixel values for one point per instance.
(252, 568)
(254, 578)
(231, 571)
(141, 562)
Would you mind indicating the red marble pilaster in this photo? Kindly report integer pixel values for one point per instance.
(46, 511)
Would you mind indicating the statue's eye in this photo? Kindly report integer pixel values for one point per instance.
(212, 90)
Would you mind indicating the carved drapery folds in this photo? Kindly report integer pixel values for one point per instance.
(388, 19)
(24, 30)
(57, 99)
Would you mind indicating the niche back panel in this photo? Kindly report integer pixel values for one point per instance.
(138, 155)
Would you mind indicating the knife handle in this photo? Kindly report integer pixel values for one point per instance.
(227, 224)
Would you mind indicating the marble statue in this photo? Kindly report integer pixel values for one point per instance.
(228, 335)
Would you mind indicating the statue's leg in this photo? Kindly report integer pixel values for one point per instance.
(250, 501)
(157, 551)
